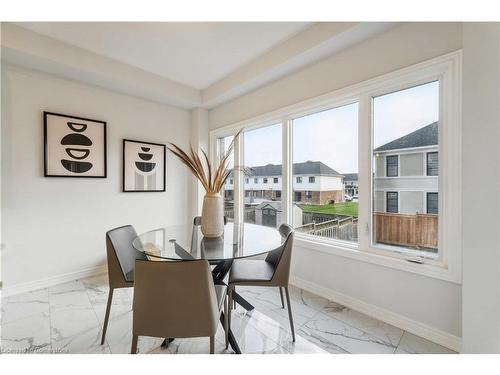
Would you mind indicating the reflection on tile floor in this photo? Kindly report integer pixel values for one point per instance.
(68, 318)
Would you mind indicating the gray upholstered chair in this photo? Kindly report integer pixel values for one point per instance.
(121, 257)
(176, 299)
(274, 271)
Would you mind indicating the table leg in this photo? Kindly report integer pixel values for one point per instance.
(167, 341)
(219, 273)
(231, 339)
(242, 301)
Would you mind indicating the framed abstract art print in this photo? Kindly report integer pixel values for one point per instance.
(74, 146)
(144, 166)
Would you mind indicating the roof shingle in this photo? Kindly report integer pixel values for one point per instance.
(315, 168)
(426, 136)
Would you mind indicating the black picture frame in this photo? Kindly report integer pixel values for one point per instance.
(45, 146)
(124, 190)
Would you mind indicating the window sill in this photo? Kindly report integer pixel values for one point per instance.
(352, 251)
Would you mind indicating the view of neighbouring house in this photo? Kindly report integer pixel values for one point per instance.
(313, 183)
(405, 194)
(406, 173)
(351, 184)
(406, 190)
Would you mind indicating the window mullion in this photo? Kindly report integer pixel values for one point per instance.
(364, 170)
(239, 206)
(287, 175)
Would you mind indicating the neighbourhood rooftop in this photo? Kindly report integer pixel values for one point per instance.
(350, 177)
(314, 168)
(426, 136)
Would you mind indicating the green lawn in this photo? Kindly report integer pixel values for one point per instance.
(343, 208)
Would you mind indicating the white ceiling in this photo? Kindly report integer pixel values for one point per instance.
(195, 54)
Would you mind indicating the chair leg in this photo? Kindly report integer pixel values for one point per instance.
(230, 308)
(281, 295)
(106, 317)
(212, 344)
(134, 344)
(226, 319)
(290, 312)
(234, 302)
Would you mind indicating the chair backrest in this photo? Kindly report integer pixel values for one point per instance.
(174, 299)
(285, 230)
(197, 221)
(121, 255)
(281, 257)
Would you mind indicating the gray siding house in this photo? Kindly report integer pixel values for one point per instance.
(406, 173)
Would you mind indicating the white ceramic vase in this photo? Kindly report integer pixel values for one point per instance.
(212, 215)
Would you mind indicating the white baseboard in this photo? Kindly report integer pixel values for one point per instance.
(407, 324)
(51, 281)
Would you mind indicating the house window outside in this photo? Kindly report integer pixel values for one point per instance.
(246, 180)
(230, 181)
(392, 166)
(312, 180)
(432, 164)
(432, 203)
(277, 194)
(275, 180)
(298, 180)
(256, 180)
(391, 202)
(405, 220)
(264, 180)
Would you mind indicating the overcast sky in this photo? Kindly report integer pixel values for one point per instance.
(331, 136)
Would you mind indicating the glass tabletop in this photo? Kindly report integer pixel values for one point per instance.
(186, 242)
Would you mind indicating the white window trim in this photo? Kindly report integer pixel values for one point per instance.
(446, 69)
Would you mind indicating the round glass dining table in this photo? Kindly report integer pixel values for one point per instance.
(186, 242)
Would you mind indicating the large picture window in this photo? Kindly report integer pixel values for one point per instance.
(401, 201)
(262, 160)
(406, 131)
(325, 150)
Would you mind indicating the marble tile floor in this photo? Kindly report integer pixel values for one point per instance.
(68, 318)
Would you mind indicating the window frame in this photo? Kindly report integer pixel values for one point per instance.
(427, 193)
(446, 69)
(393, 157)
(312, 179)
(427, 163)
(396, 193)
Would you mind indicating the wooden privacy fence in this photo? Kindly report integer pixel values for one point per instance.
(420, 230)
(342, 228)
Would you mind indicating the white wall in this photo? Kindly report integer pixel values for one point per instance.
(56, 226)
(427, 305)
(481, 169)
(399, 47)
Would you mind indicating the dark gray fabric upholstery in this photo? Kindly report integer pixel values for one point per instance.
(249, 270)
(121, 241)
